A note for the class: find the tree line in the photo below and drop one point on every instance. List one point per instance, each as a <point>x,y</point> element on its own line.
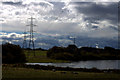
<point>73,53</point>
<point>15,54</point>
<point>12,54</point>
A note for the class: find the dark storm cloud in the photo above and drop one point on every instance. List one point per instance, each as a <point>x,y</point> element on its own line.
<point>12,3</point>
<point>95,27</point>
<point>114,28</point>
<point>98,11</point>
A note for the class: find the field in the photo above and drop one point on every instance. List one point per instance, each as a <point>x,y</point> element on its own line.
<point>24,73</point>
<point>40,57</point>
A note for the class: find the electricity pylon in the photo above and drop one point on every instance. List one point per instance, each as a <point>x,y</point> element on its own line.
<point>74,39</point>
<point>24,41</point>
<point>31,41</point>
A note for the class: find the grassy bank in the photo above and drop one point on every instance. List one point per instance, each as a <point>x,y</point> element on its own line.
<point>26,73</point>
<point>40,57</point>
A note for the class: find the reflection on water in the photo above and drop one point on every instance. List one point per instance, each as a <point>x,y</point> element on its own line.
<point>99,64</point>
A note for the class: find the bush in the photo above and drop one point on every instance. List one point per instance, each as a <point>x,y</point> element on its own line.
<point>12,54</point>
<point>62,56</point>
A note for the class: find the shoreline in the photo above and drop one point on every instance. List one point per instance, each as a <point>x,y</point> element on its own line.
<point>53,68</point>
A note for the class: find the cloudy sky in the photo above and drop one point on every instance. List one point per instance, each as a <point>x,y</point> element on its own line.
<point>91,22</point>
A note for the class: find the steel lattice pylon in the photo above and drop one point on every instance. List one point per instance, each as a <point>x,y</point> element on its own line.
<point>31,41</point>
<point>24,42</point>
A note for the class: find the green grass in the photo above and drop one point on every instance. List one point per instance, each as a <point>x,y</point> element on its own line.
<point>40,57</point>
<point>12,72</point>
